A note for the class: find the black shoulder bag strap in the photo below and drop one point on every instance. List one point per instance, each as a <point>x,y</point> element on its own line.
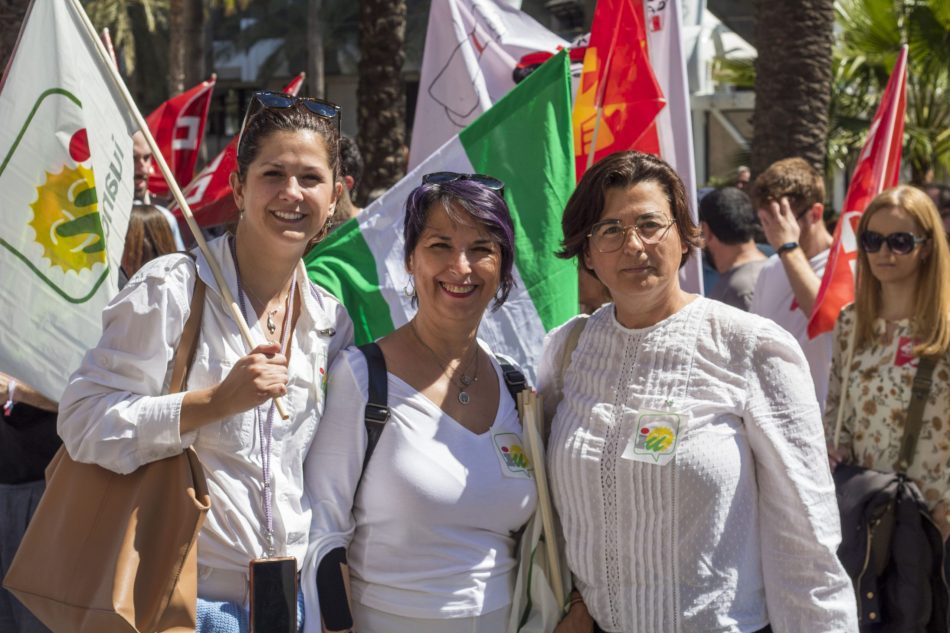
<point>919,394</point>
<point>376,412</point>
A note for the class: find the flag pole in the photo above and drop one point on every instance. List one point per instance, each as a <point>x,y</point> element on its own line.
<point>173,187</point>
<point>601,91</point>
<point>107,41</point>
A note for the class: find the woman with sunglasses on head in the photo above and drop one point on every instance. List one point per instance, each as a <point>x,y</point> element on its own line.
<point>899,316</point>
<point>685,453</point>
<point>420,538</point>
<point>116,412</point>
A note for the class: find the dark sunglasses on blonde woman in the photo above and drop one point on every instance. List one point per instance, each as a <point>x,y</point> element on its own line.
<point>269,100</point>
<point>901,243</point>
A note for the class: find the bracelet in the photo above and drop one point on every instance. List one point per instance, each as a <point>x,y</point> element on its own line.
<point>8,406</point>
<point>786,247</point>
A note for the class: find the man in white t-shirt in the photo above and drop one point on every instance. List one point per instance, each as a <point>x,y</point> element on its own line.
<point>789,197</point>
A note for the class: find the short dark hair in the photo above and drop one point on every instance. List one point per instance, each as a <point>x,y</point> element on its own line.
<point>623,170</point>
<point>791,177</point>
<point>730,216</point>
<point>351,162</point>
<point>270,120</point>
<point>482,204</point>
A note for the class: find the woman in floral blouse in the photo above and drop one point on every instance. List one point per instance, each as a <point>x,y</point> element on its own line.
<point>900,313</point>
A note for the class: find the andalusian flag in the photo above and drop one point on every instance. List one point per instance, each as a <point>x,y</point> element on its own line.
<point>525,140</point>
<point>66,178</point>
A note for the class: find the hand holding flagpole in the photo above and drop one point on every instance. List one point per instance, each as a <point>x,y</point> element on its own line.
<point>174,188</point>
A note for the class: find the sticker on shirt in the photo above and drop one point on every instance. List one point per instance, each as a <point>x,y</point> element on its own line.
<point>905,352</point>
<point>512,455</point>
<point>655,438</point>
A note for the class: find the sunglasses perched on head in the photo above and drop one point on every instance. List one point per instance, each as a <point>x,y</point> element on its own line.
<point>443,177</point>
<point>901,243</point>
<point>269,100</point>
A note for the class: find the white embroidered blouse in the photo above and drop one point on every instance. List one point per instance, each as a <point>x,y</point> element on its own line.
<point>714,513</point>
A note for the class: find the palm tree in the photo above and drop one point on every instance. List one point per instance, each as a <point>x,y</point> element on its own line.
<point>872,32</point>
<point>11,18</point>
<point>380,93</point>
<point>794,40</point>
<point>118,16</point>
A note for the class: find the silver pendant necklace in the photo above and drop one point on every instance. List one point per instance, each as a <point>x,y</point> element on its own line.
<point>464,380</point>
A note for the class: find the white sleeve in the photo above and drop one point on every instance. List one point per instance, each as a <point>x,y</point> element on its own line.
<point>806,588</point>
<point>113,412</point>
<point>333,466</point>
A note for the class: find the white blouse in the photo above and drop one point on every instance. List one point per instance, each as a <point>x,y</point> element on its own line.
<point>429,532</point>
<point>113,412</point>
<point>688,466</point>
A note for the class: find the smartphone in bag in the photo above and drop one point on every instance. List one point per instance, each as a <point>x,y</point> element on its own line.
<point>273,591</point>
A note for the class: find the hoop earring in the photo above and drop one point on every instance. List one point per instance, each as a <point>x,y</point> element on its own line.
<point>410,288</point>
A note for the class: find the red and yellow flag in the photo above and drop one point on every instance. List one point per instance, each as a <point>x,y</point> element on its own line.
<point>618,97</point>
<point>878,169</point>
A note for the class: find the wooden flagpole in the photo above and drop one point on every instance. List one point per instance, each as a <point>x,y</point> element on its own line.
<point>173,187</point>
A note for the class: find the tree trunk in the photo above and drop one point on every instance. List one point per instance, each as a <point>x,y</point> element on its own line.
<point>380,94</point>
<point>11,18</point>
<point>793,75</point>
<point>176,47</point>
<point>195,71</point>
<point>315,71</point>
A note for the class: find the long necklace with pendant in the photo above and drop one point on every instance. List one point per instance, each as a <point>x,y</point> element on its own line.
<point>464,380</point>
<point>271,325</point>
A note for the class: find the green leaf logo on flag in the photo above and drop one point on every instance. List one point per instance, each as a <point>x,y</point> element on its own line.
<point>68,235</point>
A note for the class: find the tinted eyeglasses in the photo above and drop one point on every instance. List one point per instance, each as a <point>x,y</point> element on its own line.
<point>443,177</point>
<point>269,100</point>
<point>901,243</point>
<point>610,235</point>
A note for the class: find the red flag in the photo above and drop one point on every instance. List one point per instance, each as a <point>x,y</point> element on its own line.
<point>178,126</point>
<point>617,78</point>
<point>209,194</point>
<point>878,169</point>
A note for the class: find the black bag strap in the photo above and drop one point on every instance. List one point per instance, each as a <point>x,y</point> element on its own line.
<point>919,393</point>
<point>376,413</point>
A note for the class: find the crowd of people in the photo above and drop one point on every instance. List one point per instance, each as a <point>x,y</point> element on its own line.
<point>692,443</point>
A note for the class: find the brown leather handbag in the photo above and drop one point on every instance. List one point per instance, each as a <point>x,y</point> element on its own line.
<point>116,553</point>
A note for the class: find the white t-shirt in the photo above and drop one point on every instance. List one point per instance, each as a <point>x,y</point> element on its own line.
<point>775,300</point>
<point>429,533</point>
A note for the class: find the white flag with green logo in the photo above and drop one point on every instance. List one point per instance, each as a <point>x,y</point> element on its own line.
<point>525,140</point>
<point>66,178</point>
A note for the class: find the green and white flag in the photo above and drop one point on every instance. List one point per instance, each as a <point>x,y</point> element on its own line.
<point>525,140</point>
<point>66,178</point>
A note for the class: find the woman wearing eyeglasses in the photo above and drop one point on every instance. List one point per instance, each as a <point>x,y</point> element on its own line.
<point>899,315</point>
<point>116,413</point>
<point>686,450</point>
<point>418,536</point>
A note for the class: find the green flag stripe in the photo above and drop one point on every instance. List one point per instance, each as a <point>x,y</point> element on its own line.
<point>526,137</point>
<point>344,265</point>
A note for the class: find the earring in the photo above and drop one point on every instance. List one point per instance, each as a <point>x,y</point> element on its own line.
<point>410,288</point>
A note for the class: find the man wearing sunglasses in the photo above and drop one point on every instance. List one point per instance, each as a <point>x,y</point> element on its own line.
<point>789,197</point>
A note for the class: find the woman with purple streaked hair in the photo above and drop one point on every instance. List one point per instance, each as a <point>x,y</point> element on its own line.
<point>420,537</point>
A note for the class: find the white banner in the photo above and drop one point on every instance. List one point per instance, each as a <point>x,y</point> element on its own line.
<point>472,48</point>
<point>66,177</point>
